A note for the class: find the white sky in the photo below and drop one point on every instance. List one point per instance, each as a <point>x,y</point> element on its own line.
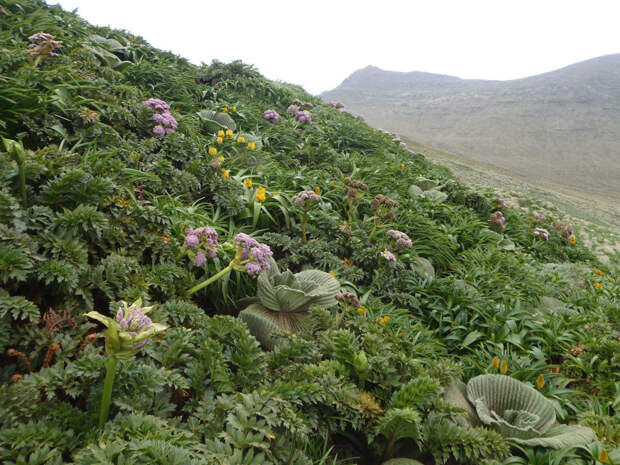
<point>318,43</point>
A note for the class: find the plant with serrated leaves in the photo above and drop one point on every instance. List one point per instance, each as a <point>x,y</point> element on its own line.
<point>14,264</point>
<point>284,299</point>
<point>522,414</point>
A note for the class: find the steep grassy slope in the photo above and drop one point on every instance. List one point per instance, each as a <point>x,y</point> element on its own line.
<point>127,173</point>
<point>559,127</point>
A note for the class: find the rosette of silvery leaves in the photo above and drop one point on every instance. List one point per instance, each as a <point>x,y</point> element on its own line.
<point>129,331</point>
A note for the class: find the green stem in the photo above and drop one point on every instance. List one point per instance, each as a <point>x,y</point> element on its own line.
<point>303,228</point>
<point>107,390</point>
<point>372,233</point>
<point>215,277</point>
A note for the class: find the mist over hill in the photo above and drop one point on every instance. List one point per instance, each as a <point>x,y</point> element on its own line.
<point>560,127</point>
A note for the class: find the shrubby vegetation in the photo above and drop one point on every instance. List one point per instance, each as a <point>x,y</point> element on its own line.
<point>129,175</point>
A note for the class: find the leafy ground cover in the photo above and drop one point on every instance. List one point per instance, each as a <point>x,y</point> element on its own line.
<point>133,181</point>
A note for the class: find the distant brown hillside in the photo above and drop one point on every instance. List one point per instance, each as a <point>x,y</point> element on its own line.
<point>561,127</point>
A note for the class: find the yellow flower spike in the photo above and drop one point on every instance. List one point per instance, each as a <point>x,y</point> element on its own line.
<point>212,151</point>
<point>383,320</point>
<point>402,165</point>
<point>229,133</point>
<point>495,362</point>
<point>572,240</point>
<point>261,194</point>
<point>333,274</point>
<point>604,456</point>
<point>540,381</point>
<point>221,133</point>
<point>317,190</point>
<point>234,109</point>
<point>220,140</point>
<point>504,367</point>
<point>598,272</point>
<point>241,140</point>
<point>221,159</point>
<point>598,285</point>
<point>248,183</point>
<point>613,280</point>
<point>252,146</point>
<point>225,110</point>
<point>401,334</point>
<point>361,311</point>
<point>225,174</point>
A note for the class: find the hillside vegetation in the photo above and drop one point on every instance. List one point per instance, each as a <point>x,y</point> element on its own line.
<point>199,265</point>
<point>560,127</point>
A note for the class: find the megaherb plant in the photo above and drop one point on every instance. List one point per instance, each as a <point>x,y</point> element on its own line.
<point>98,207</point>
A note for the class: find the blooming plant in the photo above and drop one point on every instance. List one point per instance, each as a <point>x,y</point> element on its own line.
<point>382,205</point>
<point>352,191</point>
<point>166,123</point>
<point>126,335</point>
<point>201,242</point>
<point>42,46</point>
<point>251,257</point>
<point>541,232</point>
<point>497,220</point>
<point>303,117</point>
<point>271,115</point>
<point>400,239</point>
<point>305,200</point>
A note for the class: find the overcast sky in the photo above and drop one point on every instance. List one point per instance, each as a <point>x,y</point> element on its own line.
<point>318,43</point>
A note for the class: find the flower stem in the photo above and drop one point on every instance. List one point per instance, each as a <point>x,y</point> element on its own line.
<point>374,230</point>
<point>213,278</point>
<point>110,370</point>
<point>22,181</point>
<point>303,228</point>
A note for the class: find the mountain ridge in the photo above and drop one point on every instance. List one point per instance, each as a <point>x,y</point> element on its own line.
<point>538,126</point>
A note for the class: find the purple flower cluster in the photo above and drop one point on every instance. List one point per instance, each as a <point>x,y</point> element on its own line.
<point>166,123</point>
<point>562,229</point>
<point>402,240</point>
<point>338,106</point>
<point>538,216</point>
<point>206,235</point>
<point>258,254</point>
<point>271,115</point>
<point>501,203</point>
<point>306,199</point>
<point>348,298</point>
<point>292,108</point>
<point>497,219</point>
<point>303,117</point>
<point>541,232</point>
<point>389,256</point>
<point>132,322</point>
<point>43,45</point>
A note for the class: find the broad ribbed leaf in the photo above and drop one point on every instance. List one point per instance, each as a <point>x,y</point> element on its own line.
<point>262,322</point>
<point>456,394</point>
<point>562,436</point>
<point>514,409</point>
<point>328,285</point>
<point>415,191</point>
<point>424,266</point>
<point>217,120</point>
<point>425,184</point>
<point>435,195</point>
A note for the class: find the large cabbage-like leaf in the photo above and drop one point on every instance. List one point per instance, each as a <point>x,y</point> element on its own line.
<point>288,292</point>
<point>514,409</point>
<point>262,322</point>
<point>561,436</point>
<point>217,120</point>
<point>455,394</point>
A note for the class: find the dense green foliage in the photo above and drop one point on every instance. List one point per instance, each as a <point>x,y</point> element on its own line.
<point>93,211</point>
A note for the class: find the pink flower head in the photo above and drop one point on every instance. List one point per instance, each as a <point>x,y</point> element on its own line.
<point>401,239</point>
<point>167,123</point>
<point>538,216</point>
<point>497,219</point>
<point>349,298</point>
<point>542,233</point>
<point>271,115</point>
<point>306,199</point>
<point>303,117</point>
<point>200,259</point>
<point>389,256</point>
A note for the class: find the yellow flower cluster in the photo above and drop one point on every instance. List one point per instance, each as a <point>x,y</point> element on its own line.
<point>540,381</point>
<point>598,285</point>
<point>241,139</point>
<point>383,320</point>
<point>212,151</point>
<point>317,190</point>
<point>261,194</point>
<point>248,183</point>
<point>361,310</point>
<point>252,146</point>
<point>225,109</point>
<point>503,367</point>
<point>613,280</point>
<point>220,140</point>
<point>572,240</point>
<point>229,133</point>
<point>598,272</point>
<point>225,174</point>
